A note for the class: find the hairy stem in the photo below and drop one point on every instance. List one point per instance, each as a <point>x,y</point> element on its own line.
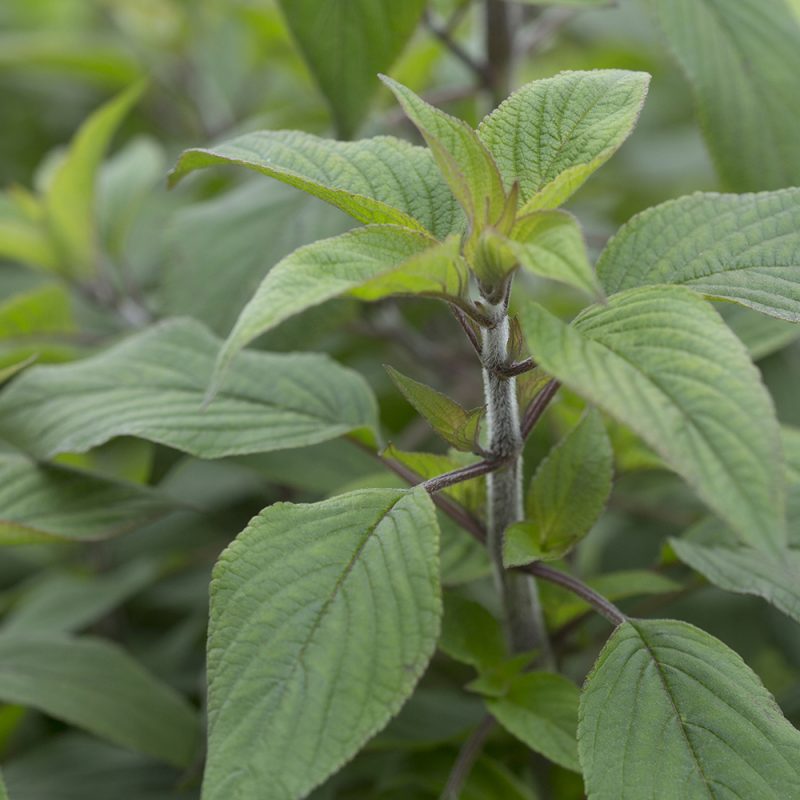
<point>525,629</point>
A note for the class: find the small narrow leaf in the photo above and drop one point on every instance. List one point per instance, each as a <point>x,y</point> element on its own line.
<point>662,362</point>
<point>69,198</point>
<point>368,263</point>
<point>24,237</point>
<point>669,711</point>
<point>453,423</point>
<point>744,248</point>
<point>552,134</point>
<point>345,43</point>
<point>550,244</point>
<point>541,710</point>
<point>152,386</point>
<point>362,178</point>
<point>463,160</point>
<point>96,686</point>
<point>40,503</point>
<point>323,618</point>
<point>567,495</point>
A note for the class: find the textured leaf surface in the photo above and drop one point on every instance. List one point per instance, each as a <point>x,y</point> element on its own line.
<point>70,196</point>
<point>367,263</point>
<point>323,618</point>
<point>346,43</point>
<point>566,496</point>
<point>550,244</point>
<point>552,134</point>
<point>380,181</point>
<point>744,248</point>
<point>762,336</point>
<point>40,503</point>
<point>742,60</point>
<point>454,424</point>
<point>96,686</point>
<point>669,711</point>
<point>463,159</point>
<point>661,361</point>
<point>541,710</point>
<point>152,386</point>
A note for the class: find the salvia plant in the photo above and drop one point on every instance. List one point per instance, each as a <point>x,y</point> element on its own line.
<point>324,616</point>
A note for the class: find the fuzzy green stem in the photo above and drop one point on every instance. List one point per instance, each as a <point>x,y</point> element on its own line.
<point>525,629</point>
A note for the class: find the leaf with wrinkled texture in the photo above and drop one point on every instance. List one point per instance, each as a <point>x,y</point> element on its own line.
<point>41,503</point>
<point>152,386</point>
<point>70,196</point>
<point>367,263</point>
<point>541,710</point>
<point>552,134</point>
<point>662,362</point>
<point>457,426</point>
<point>378,181</point>
<point>463,160</point>
<point>669,711</point>
<point>567,494</point>
<point>323,618</point>
<point>96,686</point>
<point>346,43</point>
<point>742,60</point>
<point>744,248</point>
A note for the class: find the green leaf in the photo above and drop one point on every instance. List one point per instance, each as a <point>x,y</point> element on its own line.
<point>96,686</point>
<point>463,160</point>
<point>74,766</point>
<point>541,710</point>
<point>742,60</point>
<point>552,134</point>
<point>367,263</point>
<point>713,551</point>
<point>40,503</point>
<point>744,248</point>
<point>323,618</point>
<point>345,43</point>
<point>70,196</point>
<point>566,496</point>
<point>457,426</point>
<point>550,244</point>
<point>378,181</point>
<point>762,336</point>
<point>152,386</point>
<point>669,711</point>
<point>746,570</point>
<point>61,602</point>
<point>23,236</point>
<point>661,361</point>
<point>470,634</point>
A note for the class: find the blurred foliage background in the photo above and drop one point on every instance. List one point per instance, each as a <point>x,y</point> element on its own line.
<point>217,67</point>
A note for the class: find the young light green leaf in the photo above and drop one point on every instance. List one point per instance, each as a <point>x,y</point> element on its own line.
<point>550,244</point>
<point>70,196</point>
<point>457,426</point>
<point>742,60</point>
<point>552,134</point>
<point>345,43</point>
<point>62,602</point>
<point>668,694</point>
<point>378,181</point>
<point>152,386</point>
<point>367,263</point>
<point>72,680</point>
<point>463,160</point>
<point>661,361</point>
<point>541,710</point>
<point>323,618</point>
<point>744,248</point>
<point>41,503</point>
<point>24,239</point>
<point>566,496</point>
